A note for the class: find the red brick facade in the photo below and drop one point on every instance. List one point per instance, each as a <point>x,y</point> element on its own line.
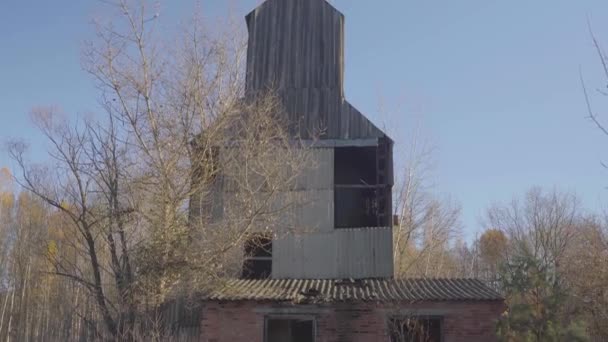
<point>349,322</point>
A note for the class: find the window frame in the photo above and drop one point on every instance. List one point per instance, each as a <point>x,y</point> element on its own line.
<point>381,153</point>
<point>440,318</point>
<point>379,198</point>
<point>288,317</point>
<point>254,258</point>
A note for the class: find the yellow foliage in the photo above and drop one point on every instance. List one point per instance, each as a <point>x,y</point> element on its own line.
<point>7,197</point>
<point>64,205</point>
<point>492,245</point>
<point>52,249</point>
<point>7,200</point>
<point>6,178</point>
<point>31,208</point>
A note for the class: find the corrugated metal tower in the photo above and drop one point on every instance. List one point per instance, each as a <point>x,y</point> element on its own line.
<point>296,48</point>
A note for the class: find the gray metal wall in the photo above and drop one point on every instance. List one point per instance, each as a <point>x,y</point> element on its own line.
<point>340,253</point>
<point>295,44</point>
<point>317,250</point>
<point>307,245</point>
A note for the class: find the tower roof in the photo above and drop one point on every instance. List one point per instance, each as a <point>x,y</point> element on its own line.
<point>296,48</point>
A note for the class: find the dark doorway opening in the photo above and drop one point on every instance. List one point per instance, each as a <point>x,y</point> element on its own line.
<point>289,330</point>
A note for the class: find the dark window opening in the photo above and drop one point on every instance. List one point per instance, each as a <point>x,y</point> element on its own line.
<point>355,166</point>
<point>179,315</point>
<point>258,258</point>
<point>415,329</point>
<point>289,330</point>
<point>360,207</point>
<point>362,189</point>
<point>259,246</point>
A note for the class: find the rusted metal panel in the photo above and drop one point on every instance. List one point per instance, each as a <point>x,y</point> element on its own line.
<point>346,253</point>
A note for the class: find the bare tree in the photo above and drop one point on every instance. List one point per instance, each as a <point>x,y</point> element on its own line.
<point>589,257</point>
<point>426,224</point>
<point>541,230</point>
<point>412,329</point>
<point>587,274</point>
<point>542,225</point>
<point>162,190</point>
<point>592,114</point>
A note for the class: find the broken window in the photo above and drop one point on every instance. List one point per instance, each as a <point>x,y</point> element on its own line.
<point>362,186</point>
<point>289,330</point>
<point>360,207</point>
<point>258,258</point>
<point>355,165</point>
<point>415,329</point>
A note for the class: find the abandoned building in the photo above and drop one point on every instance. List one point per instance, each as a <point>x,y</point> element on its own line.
<point>335,283</point>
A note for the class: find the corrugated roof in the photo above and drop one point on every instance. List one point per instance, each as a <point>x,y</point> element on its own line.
<point>367,290</point>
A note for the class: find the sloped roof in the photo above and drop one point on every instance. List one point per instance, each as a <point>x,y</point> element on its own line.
<point>367,290</point>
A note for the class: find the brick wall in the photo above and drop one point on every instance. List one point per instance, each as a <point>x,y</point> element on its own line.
<point>244,321</point>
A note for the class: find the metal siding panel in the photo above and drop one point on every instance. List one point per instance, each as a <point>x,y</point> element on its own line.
<point>316,212</point>
<point>319,175</point>
<point>346,253</point>
<point>293,259</point>
<point>318,265</point>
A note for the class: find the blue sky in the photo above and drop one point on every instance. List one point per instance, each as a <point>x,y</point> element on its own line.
<point>493,85</point>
